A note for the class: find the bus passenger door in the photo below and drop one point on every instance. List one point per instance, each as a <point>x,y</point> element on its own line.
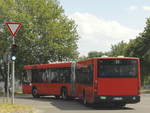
<point>26,85</point>
<point>89,84</point>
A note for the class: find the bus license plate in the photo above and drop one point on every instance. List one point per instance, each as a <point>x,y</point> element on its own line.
<point>117,98</point>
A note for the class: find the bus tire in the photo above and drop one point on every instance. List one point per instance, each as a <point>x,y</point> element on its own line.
<point>57,96</point>
<point>35,93</point>
<point>119,105</point>
<point>64,93</point>
<point>85,102</point>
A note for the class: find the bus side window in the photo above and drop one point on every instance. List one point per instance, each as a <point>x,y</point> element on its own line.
<point>85,72</point>
<point>62,75</point>
<point>55,76</point>
<point>90,74</point>
<point>45,75</point>
<point>68,75</point>
<point>24,78</point>
<point>27,76</point>
<point>79,77</point>
<point>37,76</point>
<point>49,75</point>
<point>82,75</point>
<point>66,72</point>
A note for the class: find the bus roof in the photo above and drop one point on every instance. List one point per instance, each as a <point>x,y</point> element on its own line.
<point>44,66</point>
<point>119,57</point>
<point>68,64</point>
<point>95,58</point>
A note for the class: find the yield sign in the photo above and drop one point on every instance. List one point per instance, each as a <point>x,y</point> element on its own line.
<point>13,27</point>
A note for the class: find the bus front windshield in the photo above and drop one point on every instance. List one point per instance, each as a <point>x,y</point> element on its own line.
<point>117,68</point>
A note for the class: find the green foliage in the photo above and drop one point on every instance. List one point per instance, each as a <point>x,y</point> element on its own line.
<point>98,54</point>
<point>140,47</point>
<point>93,54</point>
<point>82,58</point>
<point>118,49</point>
<point>46,35</point>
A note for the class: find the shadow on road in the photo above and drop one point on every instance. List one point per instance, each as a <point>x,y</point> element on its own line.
<point>69,104</point>
<point>78,105</point>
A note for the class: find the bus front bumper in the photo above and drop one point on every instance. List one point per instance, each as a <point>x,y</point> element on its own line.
<point>117,99</point>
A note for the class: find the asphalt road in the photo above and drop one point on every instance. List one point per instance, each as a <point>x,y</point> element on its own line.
<point>52,105</point>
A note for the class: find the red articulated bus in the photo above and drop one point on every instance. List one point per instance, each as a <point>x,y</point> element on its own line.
<point>106,80</point>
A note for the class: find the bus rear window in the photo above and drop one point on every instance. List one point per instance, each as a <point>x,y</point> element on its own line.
<point>117,68</point>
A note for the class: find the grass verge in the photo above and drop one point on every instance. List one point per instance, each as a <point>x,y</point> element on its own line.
<point>145,91</point>
<point>14,108</point>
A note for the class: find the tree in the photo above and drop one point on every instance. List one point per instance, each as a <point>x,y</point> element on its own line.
<point>140,47</point>
<point>82,58</point>
<point>46,35</point>
<point>118,49</point>
<point>94,54</point>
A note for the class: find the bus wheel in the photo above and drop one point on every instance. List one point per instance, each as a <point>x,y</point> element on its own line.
<point>84,98</point>
<point>64,94</point>
<point>120,105</point>
<point>35,93</point>
<point>85,101</point>
<point>57,97</point>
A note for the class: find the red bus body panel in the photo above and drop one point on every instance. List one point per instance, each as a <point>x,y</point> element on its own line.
<point>88,90</point>
<point>26,88</point>
<point>118,86</point>
<point>51,88</point>
<point>46,66</point>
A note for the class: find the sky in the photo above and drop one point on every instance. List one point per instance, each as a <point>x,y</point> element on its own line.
<point>102,23</point>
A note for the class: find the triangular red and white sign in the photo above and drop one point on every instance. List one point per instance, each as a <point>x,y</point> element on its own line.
<point>13,27</point>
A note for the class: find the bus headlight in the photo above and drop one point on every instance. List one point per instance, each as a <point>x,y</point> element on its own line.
<point>103,97</point>
<point>134,98</point>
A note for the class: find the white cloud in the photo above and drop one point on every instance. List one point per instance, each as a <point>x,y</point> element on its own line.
<point>133,8</point>
<point>98,34</point>
<point>146,8</point>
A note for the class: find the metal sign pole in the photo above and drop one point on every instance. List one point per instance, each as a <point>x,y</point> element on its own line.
<point>8,81</point>
<point>13,76</point>
<point>13,81</point>
<point>13,28</point>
